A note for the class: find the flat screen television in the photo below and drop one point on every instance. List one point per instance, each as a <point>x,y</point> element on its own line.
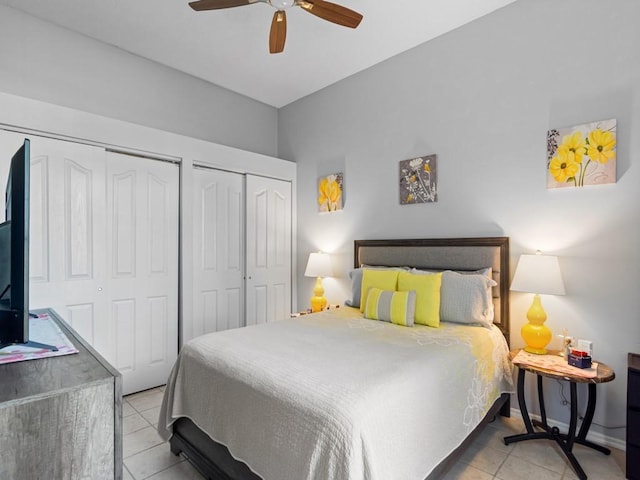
<point>14,255</point>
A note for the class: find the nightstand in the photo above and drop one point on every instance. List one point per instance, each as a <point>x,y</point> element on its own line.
<point>309,312</point>
<point>566,441</point>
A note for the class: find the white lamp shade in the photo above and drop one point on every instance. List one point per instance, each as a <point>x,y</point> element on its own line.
<point>538,274</point>
<point>319,265</point>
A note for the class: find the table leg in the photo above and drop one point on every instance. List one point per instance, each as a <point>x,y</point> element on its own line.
<point>531,434</point>
<point>573,420</point>
<point>586,423</point>
<point>542,423</point>
<point>566,441</point>
<point>522,403</point>
<point>543,411</point>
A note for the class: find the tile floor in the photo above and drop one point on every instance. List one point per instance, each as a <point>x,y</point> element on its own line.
<point>146,456</point>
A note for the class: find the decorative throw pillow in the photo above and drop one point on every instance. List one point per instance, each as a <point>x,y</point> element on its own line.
<point>427,288</point>
<point>356,283</point>
<point>390,306</point>
<point>356,288</point>
<point>383,279</point>
<point>466,299</point>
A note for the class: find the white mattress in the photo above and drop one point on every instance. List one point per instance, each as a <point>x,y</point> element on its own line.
<point>336,396</point>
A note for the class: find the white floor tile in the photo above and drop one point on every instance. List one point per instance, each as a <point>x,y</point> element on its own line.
<point>133,423</point>
<point>462,471</point>
<point>484,457</point>
<point>126,475</point>
<point>145,400</point>
<point>141,440</point>
<point>494,437</point>
<point>151,415</point>
<point>181,471</point>
<point>151,461</point>
<point>542,452</point>
<point>596,465</point>
<point>127,409</point>
<point>516,468</point>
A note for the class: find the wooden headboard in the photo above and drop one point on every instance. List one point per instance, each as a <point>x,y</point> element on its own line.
<point>446,254</point>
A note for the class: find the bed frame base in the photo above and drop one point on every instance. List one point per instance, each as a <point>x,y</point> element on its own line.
<point>214,461</point>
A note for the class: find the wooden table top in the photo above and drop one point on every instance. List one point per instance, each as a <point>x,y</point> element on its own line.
<point>604,373</point>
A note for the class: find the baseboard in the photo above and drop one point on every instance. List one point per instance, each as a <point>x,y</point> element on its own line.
<point>592,436</point>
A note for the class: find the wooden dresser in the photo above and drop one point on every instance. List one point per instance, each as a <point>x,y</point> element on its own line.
<point>633,416</point>
<point>61,417</point>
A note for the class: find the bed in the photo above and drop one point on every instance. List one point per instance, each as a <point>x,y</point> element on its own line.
<point>335,395</point>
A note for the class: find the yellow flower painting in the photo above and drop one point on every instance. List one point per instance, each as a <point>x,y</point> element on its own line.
<point>582,155</point>
<point>330,193</point>
<point>418,180</point>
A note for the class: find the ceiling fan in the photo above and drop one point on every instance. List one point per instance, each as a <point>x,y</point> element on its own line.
<point>326,10</point>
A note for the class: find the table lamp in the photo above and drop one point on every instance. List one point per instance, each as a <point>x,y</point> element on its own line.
<point>319,265</point>
<point>538,274</point>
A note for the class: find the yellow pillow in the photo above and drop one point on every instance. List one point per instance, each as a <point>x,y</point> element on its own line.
<point>382,279</point>
<point>427,288</point>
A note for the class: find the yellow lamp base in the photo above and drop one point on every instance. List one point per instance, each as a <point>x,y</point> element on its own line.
<point>537,351</point>
<point>535,333</point>
<point>318,302</point>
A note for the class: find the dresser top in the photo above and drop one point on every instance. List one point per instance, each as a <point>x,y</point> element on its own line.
<point>25,380</point>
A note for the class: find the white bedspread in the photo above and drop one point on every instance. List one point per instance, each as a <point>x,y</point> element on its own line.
<point>335,396</point>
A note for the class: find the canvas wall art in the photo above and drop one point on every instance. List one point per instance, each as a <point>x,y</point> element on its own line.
<point>330,193</point>
<point>418,181</point>
<point>582,155</point>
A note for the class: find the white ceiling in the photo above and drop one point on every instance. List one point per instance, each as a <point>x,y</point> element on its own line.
<point>230,47</point>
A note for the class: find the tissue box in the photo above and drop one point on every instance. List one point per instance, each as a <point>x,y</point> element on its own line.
<point>579,359</point>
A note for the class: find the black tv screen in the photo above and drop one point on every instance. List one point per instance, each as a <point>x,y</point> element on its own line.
<point>14,252</point>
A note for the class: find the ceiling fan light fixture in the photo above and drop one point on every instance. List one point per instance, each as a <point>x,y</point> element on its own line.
<point>282,4</point>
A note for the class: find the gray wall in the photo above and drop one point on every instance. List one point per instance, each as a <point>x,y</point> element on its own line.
<point>482,98</point>
<point>44,62</point>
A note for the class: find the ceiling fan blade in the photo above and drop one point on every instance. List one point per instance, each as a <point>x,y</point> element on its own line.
<point>278,33</point>
<point>201,5</point>
<point>332,12</point>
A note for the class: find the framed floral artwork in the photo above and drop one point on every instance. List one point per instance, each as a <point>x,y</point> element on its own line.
<point>418,181</point>
<point>330,193</point>
<point>582,155</point>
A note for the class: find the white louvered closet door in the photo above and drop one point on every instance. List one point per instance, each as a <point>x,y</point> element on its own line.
<point>218,250</point>
<point>142,262</point>
<point>268,239</point>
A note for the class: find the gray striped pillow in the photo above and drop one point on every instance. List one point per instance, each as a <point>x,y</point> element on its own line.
<point>390,306</point>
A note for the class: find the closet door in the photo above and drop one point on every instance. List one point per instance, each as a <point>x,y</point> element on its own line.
<point>142,259</point>
<point>218,250</point>
<point>268,220</point>
<point>67,233</point>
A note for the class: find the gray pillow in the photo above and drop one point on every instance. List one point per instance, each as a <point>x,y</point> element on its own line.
<point>356,288</point>
<point>465,297</point>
